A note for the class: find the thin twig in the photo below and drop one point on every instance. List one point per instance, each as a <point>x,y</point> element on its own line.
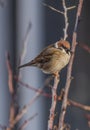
<point>56,10</point>
<point>32,88</point>
<point>52,8</point>
<point>54,102</point>
<point>68,80</point>
<point>85,47</point>
<point>78,105</point>
<point>72,7</point>
<point>24,50</point>
<point>25,43</point>
<point>26,122</point>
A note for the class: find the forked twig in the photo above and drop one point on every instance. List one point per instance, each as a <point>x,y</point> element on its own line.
<point>66,9</point>
<point>26,122</point>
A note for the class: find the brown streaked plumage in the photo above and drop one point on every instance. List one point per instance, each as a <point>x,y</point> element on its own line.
<point>53,58</point>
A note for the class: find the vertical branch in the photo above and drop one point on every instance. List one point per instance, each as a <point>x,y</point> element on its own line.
<point>66,20</point>
<point>24,50</point>
<point>25,42</point>
<point>54,102</point>
<point>12,92</point>
<point>68,80</point>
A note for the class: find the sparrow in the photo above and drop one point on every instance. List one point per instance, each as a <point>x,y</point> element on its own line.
<point>53,58</point>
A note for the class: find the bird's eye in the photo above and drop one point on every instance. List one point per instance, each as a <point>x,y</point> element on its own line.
<point>68,51</point>
<point>63,50</point>
<point>60,48</point>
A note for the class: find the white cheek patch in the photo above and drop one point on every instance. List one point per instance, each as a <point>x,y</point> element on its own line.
<point>63,50</point>
<point>69,53</point>
<point>56,44</point>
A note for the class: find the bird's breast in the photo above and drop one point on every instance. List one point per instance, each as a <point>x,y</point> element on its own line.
<point>56,63</point>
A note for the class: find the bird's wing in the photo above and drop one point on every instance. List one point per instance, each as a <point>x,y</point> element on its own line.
<point>45,55</point>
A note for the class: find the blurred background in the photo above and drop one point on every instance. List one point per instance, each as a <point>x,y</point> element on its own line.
<point>26,27</point>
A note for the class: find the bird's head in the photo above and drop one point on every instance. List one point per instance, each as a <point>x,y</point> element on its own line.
<point>63,45</point>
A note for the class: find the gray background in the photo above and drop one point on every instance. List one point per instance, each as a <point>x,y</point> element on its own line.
<point>46,28</point>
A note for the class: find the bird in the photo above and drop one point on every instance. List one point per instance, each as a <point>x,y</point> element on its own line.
<point>53,58</point>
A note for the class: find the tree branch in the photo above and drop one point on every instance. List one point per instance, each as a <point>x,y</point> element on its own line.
<point>12,91</point>
<point>68,80</point>
<point>26,122</point>
<point>32,88</point>
<point>66,20</point>
<point>52,8</point>
<point>78,105</point>
<point>54,102</point>
<point>66,9</point>
<point>85,47</point>
<point>59,98</point>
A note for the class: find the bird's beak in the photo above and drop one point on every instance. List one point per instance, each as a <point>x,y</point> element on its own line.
<point>71,51</point>
<point>68,50</point>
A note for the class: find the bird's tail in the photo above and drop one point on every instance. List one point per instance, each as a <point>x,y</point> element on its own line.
<point>25,65</point>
